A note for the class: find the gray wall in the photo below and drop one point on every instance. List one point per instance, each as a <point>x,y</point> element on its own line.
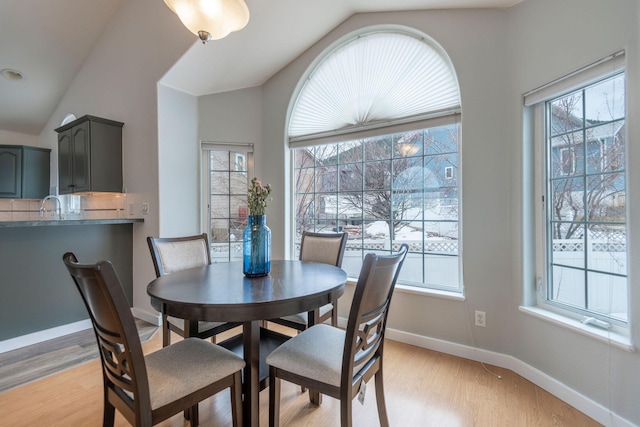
<point>179,161</point>
<point>36,291</point>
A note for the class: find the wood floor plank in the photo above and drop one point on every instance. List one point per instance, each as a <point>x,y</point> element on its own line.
<point>422,388</point>
<point>37,361</point>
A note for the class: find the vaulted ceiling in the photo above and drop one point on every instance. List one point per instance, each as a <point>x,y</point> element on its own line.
<point>48,41</point>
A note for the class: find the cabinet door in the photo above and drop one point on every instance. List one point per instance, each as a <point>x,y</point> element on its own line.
<point>35,176</point>
<point>65,168</point>
<point>81,155</point>
<point>10,172</point>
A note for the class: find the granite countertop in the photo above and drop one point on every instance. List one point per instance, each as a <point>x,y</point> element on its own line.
<point>58,222</point>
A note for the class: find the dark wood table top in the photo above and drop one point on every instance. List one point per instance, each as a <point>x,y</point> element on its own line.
<point>221,292</point>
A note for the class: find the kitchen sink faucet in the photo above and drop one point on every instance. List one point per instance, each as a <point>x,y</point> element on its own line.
<point>43,210</point>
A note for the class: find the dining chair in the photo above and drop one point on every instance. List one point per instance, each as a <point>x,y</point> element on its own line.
<point>327,248</point>
<point>336,362</point>
<point>171,254</point>
<point>149,389</point>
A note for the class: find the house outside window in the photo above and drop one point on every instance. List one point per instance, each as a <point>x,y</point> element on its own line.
<point>585,210</point>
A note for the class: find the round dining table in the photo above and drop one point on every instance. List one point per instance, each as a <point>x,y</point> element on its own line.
<point>220,292</point>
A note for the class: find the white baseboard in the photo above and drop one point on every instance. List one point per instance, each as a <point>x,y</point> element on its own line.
<point>40,336</point>
<point>60,331</point>
<point>153,318</point>
<point>582,403</point>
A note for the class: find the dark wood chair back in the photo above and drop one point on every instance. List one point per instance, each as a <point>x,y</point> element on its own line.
<point>123,365</point>
<point>368,318</point>
<point>204,368</point>
<point>171,254</point>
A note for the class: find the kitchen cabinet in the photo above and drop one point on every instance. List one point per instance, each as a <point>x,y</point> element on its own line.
<point>24,172</point>
<point>90,156</point>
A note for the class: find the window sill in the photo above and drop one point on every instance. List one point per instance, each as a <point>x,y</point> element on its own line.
<point>615,339</point>
<point>433,293</point>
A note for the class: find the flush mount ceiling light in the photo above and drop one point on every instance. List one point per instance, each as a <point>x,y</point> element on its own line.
<point>10,74</point>
<point>211,19</point>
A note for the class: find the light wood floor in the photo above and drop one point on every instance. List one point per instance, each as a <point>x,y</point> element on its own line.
<point>422,388</point>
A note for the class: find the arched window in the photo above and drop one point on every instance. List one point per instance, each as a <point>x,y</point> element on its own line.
<point>374,130</point>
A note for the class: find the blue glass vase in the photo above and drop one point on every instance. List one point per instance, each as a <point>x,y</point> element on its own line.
<point>256,247</point>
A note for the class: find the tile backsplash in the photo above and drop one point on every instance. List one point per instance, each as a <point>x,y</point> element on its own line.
<point>94,206</point>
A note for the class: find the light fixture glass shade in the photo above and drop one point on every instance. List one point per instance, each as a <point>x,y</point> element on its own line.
<point>211,19</point>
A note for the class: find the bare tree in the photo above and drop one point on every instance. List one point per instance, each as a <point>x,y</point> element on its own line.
<point>586,168</point>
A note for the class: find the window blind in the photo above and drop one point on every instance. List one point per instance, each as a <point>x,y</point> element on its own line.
<point>375,80</point>
<point>579,78</point>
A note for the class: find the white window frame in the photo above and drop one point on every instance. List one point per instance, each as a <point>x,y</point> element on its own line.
<point>412,279</point>
<point>618,334</point>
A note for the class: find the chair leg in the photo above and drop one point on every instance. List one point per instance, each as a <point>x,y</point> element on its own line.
<point>108,417</point>
<point>345,412</point>
<point>315,397</point>
<point>274,398</point>
<point>382,408</point>
<point>236,399</point>
<point>193,416</point>
<point>334,314</point>
<point>166,332</point>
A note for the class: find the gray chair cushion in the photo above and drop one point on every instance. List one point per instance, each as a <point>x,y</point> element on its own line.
<point>186,366</point>
<point>202,326</point>
<point>314,353</point>
<point>302,318</point>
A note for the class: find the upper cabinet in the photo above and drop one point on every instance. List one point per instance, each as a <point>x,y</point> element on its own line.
<point>90,155</point>
<point>24,172</point>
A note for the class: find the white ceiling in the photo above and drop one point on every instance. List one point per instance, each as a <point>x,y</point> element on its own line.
<point>38,38</point>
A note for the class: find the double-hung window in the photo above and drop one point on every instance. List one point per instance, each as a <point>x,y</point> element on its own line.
<point>584,194</point>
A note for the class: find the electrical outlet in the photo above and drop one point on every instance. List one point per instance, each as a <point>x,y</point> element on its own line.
<point>145,208</point>
<point>481,318</point>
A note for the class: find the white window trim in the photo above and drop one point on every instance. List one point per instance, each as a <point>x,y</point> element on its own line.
<point>205,190</point>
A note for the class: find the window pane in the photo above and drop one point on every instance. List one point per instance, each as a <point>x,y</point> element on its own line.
<point>443,139</point>
<point>378,148</point>
<point>567,199</point>
<point>377,175</point>
<point>607,249</point>
<point>566,114</point>
<point>605,150</point>
<point>608,295</point>
<point>568,286</point>
<point>408,144</point>
<point>568,244</point>
<point>567,155</point>
<point>219,160</point>
<point>605,100</point>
